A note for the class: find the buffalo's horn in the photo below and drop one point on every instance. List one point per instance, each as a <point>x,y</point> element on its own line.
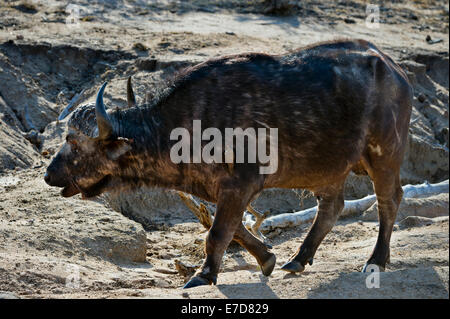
<point>130,94</point>
<point>71,106</point>
<point>105,128</point>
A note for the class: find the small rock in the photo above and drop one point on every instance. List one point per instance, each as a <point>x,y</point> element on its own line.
<point>199,241</point>
<point>443,136</point>
<point>412,16</point>
<point>87,18</point>
<point>185,270</point>
<point>161,283</point>
<point>421,98</point>
<point>349,21</point>
<point>57,291</point>
<point>431,41</point>
<point>140,47</point>
<point>166,256</point>
<point>26,7</point>
<point>136,294</point>
<point>177,51</point>
<point>164,44</point>
<point>166,271</point>
<point>416,221</point>
<point>46,153</point>
<point>34,138</point>
<point>145,64</point>
<point>8,295</point>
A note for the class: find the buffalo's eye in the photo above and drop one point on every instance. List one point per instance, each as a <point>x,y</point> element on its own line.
<point>73,143</point>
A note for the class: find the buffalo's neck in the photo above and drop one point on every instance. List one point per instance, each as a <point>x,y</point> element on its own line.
<point>148,163</point>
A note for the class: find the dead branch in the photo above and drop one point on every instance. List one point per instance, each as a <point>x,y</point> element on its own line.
<point>257,222</point>
<point>205,216</point>
<point>259,218</point>
<point>199,210</point>
<point>72,105</point>
<point>352,207</point>
<point>28,122</point>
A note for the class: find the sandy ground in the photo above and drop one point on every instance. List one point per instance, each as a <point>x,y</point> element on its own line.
<point>40,250</point>
<point>46,241</point>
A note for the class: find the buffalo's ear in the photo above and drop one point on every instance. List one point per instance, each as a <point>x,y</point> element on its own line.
<point>118,147</point>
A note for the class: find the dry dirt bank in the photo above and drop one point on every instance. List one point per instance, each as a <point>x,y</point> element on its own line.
<point>44,236</point>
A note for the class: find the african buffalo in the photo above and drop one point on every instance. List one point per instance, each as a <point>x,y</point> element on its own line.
<point>338,107</point>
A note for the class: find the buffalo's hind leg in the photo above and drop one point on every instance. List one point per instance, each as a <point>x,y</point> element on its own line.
<point>389,195</point>
<point>331,203</point>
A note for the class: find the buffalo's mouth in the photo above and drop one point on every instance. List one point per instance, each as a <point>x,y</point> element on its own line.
<point>86,192</point>
<point>70,190</point>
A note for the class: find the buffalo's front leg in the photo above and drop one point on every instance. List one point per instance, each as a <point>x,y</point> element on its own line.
<point>231,204</point>
<point>256,248</point>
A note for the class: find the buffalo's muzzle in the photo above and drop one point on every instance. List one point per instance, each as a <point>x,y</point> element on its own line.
<point>50,179</point>
<point>47,178</point>
<point>54,177</point>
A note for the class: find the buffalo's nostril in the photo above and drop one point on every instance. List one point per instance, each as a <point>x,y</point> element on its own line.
<point>47,177</point>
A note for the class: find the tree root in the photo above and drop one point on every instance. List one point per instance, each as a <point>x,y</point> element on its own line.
<point>204,215</point>
<point>262,223</point>
<point>352,207</point>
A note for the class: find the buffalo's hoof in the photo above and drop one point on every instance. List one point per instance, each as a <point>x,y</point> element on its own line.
<point>199,281</point>
<point>372,268</point>
<point>269,265</point>
<point>293,266</point>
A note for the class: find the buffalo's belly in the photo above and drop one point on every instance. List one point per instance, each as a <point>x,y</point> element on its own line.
<point>308,176</point>
<point>310,165</point>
